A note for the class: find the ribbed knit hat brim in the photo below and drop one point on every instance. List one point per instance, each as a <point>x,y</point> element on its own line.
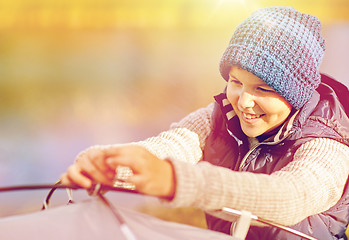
<point>281,46</point>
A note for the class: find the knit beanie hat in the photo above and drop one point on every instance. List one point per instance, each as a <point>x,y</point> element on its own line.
<point>281,46</point>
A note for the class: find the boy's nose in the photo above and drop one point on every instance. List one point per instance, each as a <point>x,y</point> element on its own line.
<point>246,100</point>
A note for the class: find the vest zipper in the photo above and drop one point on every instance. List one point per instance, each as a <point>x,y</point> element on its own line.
<point>232,225</point>
<point>248,154</point>
<point>254,147</point>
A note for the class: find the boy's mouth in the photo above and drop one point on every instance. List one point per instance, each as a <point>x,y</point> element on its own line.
<point>251,116</point>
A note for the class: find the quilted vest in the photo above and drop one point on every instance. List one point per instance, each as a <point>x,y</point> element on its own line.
<point>324,115</point>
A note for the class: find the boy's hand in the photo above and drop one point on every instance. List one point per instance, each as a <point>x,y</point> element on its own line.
<point>151,175</point>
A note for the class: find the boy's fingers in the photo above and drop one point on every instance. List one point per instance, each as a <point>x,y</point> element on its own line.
<point>74,175</point>
<point>95,168</point>
<point>97,157</point>
<point>94,173</point>
<point>64,179</point>
<point>114,162</point>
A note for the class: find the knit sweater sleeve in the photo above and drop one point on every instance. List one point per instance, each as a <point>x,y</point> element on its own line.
<point>185,139</point>
<point>310,184</point>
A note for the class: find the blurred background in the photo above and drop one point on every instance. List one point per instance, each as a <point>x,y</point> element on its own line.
<point>74,73</point>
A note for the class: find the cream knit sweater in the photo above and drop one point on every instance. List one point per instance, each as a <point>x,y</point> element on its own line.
<point>310,184</point>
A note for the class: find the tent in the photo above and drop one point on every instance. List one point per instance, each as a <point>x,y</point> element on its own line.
<point>98,218</point>
<point>93,219</point>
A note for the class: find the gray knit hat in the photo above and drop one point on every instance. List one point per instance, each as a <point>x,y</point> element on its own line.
<point>281,46</point>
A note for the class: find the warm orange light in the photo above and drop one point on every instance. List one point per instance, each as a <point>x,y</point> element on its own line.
<point>156,13</point>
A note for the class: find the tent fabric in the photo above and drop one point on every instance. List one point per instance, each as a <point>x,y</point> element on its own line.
<point>92,219</point>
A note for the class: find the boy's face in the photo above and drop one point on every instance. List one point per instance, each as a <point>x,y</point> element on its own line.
<point>259,108</point>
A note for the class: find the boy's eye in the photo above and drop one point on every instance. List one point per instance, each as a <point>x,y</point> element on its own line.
<point>232,80</point>
<point>265,89</point>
